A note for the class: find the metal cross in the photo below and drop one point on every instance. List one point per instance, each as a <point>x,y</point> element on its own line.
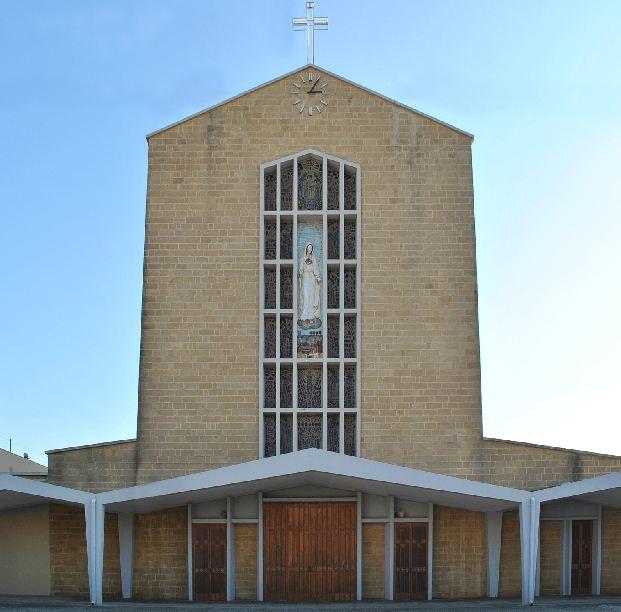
<point>310,23</point>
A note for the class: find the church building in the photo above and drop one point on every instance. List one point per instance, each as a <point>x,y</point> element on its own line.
<point>309,421</point>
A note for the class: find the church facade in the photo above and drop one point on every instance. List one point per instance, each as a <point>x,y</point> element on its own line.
<point>309,421</point>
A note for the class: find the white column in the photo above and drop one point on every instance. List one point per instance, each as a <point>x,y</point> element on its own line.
<point>90,517</point>
<point>359,547</point>
<point>97,522</point>
<point>126,550</point>
<point>493,523</point>
<point>190,556</point>
<point>597,549</point>
<point>390,550</point>
<point>430,551</point>
<point>230,552</point>
<point>260,550</point>
<point>529,544</point>
<point>566,557</point>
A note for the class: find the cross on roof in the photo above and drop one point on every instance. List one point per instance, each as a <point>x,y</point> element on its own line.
<point>310,23</point>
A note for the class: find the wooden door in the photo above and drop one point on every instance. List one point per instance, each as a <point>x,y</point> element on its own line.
<point>410,561</point>
<point>581,557</point>
<point>309,551</point>
<point>209,561</point>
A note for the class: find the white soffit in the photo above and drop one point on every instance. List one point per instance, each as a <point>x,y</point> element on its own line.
<point>314,467</point>
<point>604,490</point>
<point>17,492</point>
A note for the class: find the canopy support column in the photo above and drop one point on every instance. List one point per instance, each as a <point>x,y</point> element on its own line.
<point>493,523</point>
<point>90,518</point>
<point>126,550</point>
<point>529,545</point>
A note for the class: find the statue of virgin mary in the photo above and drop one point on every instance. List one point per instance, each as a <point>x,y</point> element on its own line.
<point>309,290</point>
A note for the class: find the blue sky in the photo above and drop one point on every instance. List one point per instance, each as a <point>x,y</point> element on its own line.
<point>537,82</point>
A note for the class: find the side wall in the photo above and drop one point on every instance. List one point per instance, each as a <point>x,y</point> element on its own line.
<point>611,551</point>
<point>25,552</point>
<point>245,562</point>
<point>96,468</point>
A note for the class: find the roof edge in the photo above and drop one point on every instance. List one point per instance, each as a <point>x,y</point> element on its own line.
<point>97,444</point>
<point>553,448</point>
<point>325,70</point>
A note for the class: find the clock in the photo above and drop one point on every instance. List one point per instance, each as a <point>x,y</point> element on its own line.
<point>309,93</point>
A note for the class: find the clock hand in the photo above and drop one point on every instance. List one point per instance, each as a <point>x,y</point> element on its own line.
<point>312,89</point>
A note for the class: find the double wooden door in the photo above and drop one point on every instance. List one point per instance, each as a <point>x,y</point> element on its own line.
<point>309,551</point>
<point>581,557</point>
<point>209,561</point>
<point>410,561</point>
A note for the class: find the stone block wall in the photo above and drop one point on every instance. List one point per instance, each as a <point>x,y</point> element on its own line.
<point>161,555</point>
<point>611,551</point>
<point>550,534</point>
<point>68,560</point>
<point>245,537</point>
<point>459,553</point>
<point>510,579</point>
<point>373,560</point>
<point>94,468</point>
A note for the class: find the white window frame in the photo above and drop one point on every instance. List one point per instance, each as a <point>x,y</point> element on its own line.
<point>294,215</point>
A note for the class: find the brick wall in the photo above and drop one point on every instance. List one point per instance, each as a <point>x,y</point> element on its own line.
<point>96,468</point>
<point>68,560</point>
<point>611,552</point>
<point>459,553</point>
<point>245,562</point>
<point>510,580</point>
<point>373,561</point>
<point>550,534</point>
<point>161,555</point>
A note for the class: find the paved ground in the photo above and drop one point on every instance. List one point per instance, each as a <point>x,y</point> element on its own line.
<point>547,603</point>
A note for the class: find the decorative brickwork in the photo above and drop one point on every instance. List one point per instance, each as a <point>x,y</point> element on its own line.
<point>69,577</point>
<point>550,533</point>
<point>510,582</point>
<point>161,555</point>
<point>245,562</point>
<point>459,553</point>
<point>373,561</point>
<point>611,551</point>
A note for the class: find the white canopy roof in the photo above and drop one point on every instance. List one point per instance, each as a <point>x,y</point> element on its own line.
<point>313,467</point>
<point>605,490</point>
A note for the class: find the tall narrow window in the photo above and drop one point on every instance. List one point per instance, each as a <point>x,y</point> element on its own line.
<point>309,393</point>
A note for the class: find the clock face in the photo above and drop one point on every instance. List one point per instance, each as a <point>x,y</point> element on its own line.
<point>309,92</point>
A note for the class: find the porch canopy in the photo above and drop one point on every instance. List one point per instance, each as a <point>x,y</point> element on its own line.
<point>17,493</point>
<point>313,467</point>
<point>599,491</point>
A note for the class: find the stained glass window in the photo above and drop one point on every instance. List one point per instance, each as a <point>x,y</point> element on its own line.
<point>309,387</point>
<point>286,287</point>
<point>333,187</point>
<point>333,287</point>
<point>270,238</point>
<point>333,336</point>
<point>269,280</point>
<point>333,432</point>
<point>286,433</point>
<point>286,337</point>
<point>286,386</point>
<point>286,239</point>
<point>349,432</point>
<point>349,242</point>
<point>269,386</point>
<point>309,431</point>
<point>270,337</point>
<point>349,396</point>
<point>309,184</point>
<point>333,238</point>
<point>286,186</point>
<point>350,288</point>
<point>349,336</point>
<point>350,190</point>
<point>333,386</point>
<point>269,192</point>
<point>269,435</point>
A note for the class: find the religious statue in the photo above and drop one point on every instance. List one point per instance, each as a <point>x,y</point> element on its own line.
<point>309,291</point>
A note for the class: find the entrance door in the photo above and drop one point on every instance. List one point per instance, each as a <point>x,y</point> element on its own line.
<point>410,561</point>
<point>209,561</point>
<point>309,551</point>
<point>581,557</point>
